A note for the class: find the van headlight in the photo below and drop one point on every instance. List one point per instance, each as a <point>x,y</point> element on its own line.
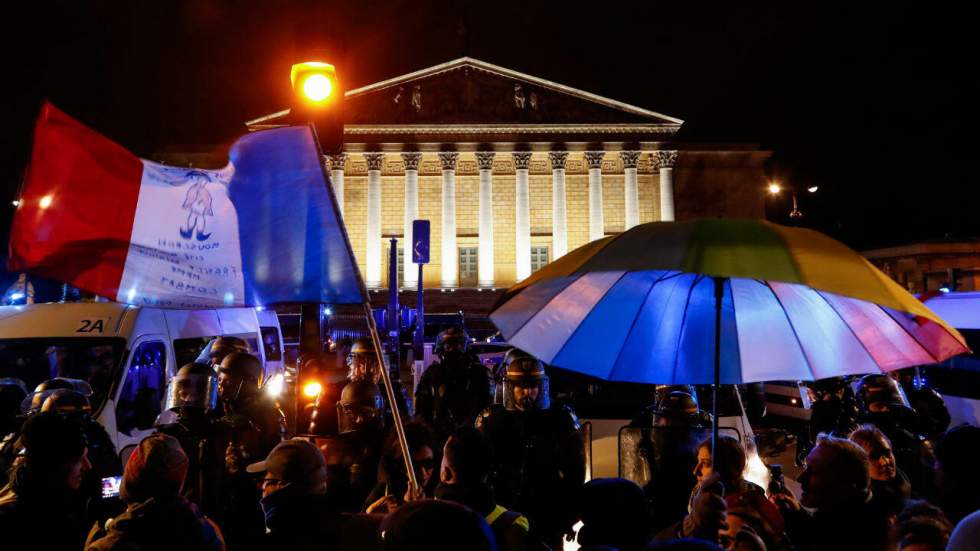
<point>275,385</point>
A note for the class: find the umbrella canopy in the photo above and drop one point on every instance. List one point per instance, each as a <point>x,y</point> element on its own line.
<point>796,304</point>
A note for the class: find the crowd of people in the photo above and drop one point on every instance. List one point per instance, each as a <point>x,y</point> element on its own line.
<point>221,472</point>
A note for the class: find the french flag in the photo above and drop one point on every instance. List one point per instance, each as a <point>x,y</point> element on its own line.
<point>265,229</point>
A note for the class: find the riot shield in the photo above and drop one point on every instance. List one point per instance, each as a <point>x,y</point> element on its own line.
<point>647,454</point>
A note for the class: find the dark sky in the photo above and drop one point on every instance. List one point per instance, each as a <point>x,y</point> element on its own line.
<point>875,104</point>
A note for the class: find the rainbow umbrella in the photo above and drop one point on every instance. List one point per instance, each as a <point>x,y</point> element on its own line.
<point>722,302</point>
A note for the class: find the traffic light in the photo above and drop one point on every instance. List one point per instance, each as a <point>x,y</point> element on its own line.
<point>317,100</point>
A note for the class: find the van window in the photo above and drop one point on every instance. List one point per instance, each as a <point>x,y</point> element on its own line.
<point>187,350</point>
<point>270,342</point>
<point>34,360</point>
<point>141,399</point>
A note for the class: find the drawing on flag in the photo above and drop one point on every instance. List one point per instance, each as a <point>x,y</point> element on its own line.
<point>262,230</point>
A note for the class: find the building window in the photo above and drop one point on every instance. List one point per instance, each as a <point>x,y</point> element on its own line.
<point>539,257</point>
<point>467,266</point>
<point>400,259</point>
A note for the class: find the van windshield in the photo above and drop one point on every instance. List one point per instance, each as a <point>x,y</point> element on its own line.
<point>38,359</point>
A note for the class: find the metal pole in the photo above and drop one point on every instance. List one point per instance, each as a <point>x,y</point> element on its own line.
<point>373,329</point>
<point>393,319</point>
<point>419,338</point>
<point>719,296</point>
<point>386,378</point>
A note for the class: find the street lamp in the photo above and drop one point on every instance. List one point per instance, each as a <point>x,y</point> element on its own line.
<point>775,188</point>
<point>317,100</point>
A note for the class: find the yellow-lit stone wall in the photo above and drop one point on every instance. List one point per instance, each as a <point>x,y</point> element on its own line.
<point>504,204</point>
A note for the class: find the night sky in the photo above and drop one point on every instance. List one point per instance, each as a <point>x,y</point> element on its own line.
<point>876,105</point>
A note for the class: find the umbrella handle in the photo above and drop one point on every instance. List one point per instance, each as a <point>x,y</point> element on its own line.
<point>719,297</point>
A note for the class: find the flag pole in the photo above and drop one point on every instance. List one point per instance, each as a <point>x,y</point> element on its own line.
<point>372,326</point>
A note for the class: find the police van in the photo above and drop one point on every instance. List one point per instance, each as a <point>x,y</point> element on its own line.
<point>958,378</point>
<point>127,354</point>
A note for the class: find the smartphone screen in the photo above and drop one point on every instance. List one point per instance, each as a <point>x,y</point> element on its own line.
<point>110,486</point>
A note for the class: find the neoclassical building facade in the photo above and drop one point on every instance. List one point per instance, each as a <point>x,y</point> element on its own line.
<point>514,171</point>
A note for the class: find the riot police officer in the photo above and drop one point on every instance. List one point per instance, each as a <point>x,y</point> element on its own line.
<point>665,439</point>
<point>454,389</point>
<point>882,403</point>
<point>362,362</point>
<point>219,348</point>
<point>192,397</point>
<point>254,425</point>
<point>933,415</point>
<point>538,453</point>
<point>353,454</point>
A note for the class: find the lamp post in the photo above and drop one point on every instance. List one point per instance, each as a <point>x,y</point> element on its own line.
<point>775,188</point>
<point>317,100</point>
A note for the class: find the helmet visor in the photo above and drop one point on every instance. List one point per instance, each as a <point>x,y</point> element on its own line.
<point>193,390</point>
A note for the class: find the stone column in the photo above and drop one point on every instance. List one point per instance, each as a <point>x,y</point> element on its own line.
<point>450,268</point>
<point>665,162</point>
<point>597,228</point>
<point>631,192</point>
<point>559,217</point>
<point>337,178</point>
<point>372,276</point>
<point>411,160</point>
<point>485,265</point>
<point>522,162</point>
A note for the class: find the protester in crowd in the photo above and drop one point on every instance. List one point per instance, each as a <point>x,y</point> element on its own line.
<point>889,485</point>
<point>921,526</point>
<point>728,461</point>
<point>957,473</point>
<point>614,513</point>
<point>837,485</point>
<point>389,492</point>
<point>298,514</point>
<point>40,501</point>
<point>157,516</point>
<point>753,523</point>
<point>708,513</point>
<point>434,525</point>
<point>466,460</point>
<point>682,544</point>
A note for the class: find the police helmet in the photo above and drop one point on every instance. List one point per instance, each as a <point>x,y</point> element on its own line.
<point>242,366</point>
<point>222,346</point>
<point>67,402</point>
<point>194,386</point>
<point>362,361</point>
<point>360,407</point>
<point>878,394</point>
<point>525,371</point>
<point>33,402</point>
<point>449,339</point>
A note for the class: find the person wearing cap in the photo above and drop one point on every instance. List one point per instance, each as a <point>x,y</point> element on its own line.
<point>41,499</point>
<point>156,516</point>
<point>614,513</point>
<point>298,513</point>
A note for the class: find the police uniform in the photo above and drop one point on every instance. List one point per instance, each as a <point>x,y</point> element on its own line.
<point>455,389</point>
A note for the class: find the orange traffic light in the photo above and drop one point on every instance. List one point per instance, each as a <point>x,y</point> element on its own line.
<point>314,81</point>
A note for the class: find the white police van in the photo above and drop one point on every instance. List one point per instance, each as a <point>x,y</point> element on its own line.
<point>127,354</point>
<point>958,378</point>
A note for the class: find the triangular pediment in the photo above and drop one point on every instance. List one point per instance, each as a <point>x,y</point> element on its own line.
<point>472,92</point>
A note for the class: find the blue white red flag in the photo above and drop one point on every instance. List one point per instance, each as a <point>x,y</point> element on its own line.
<point>264,229</point>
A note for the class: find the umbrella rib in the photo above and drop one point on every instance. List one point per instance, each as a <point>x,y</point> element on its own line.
<point>792,327</point>
<point>680,333</point>
<point>579,326</point>
<point>911,335</point>
<point>851,329</point>
<point>532,316</point>
<point>639,312</point>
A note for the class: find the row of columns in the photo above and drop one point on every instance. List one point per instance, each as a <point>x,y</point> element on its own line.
<point>663,161</point>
